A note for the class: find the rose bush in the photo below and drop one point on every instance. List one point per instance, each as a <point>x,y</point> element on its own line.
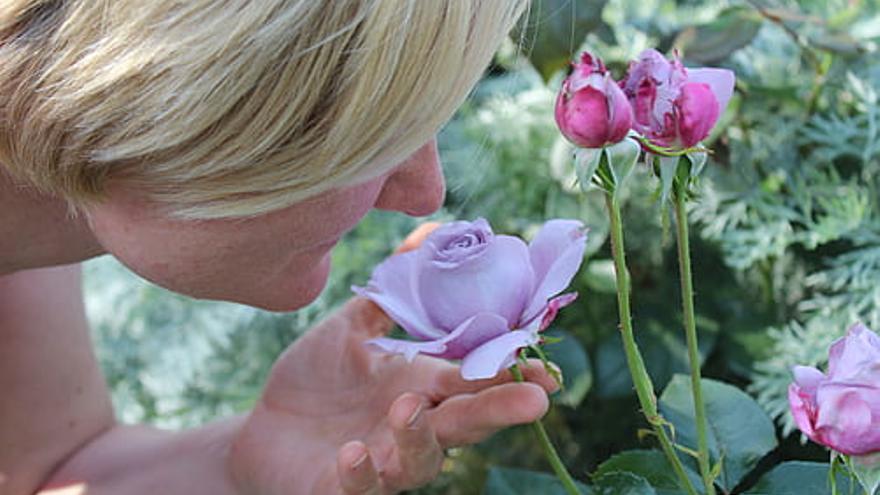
<point>591,109</point>
<point>841,410</point>
<point>674,106</point>
<point>469,294</point>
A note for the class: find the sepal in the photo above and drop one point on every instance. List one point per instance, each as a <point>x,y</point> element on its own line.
<point>866,469</point>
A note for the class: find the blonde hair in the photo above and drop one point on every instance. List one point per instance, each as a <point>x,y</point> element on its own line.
<point>235,108</point>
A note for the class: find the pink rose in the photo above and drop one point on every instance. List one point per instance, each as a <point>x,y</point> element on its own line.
<point>591,109</point>
<point>469,294</point>
<point>841,410</point>
<point>674,106</point>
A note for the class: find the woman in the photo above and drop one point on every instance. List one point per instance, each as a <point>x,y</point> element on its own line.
<point>220,149</point>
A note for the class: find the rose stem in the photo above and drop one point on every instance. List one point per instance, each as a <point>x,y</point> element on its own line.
<point>690,328</point>
<point>549,451</point>
<point>641,380</point>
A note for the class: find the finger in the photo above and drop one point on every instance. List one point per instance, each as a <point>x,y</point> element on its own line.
<point>357,475</point>
<point>366,317</point>
<point>449,381</point>
<point>418,451</point>
<point>471,418</point>
<point>417,236</point>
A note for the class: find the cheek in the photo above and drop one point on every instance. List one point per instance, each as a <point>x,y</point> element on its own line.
<point>279,261</point>
<point>168,259</point>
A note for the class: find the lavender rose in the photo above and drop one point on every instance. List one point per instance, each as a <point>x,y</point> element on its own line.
<point>841,410</point>
<point>469,294</point>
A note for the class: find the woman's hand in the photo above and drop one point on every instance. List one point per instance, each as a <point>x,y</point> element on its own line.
<point>338,418</point>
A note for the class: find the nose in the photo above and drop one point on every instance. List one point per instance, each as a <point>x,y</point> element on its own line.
<point>417,187</point>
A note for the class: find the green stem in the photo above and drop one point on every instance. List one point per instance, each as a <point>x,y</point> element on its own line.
<point>690,327</point>
<point>549,451</point>
<point>641,380</point>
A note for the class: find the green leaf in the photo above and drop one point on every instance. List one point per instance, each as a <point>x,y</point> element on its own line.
<point>574,362</point>
<point>798,478</point>
<point>733,29</point>
<point>739,431</point>
<point>554,29</point>
<point>622,483</point>
<point>650,465</point>
<point>510,481</point>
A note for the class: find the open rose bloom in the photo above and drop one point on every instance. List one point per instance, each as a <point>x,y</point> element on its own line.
<point>469,294</point>
<point>841,410</point>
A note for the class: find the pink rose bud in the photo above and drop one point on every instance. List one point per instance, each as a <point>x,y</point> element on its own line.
<point>469,294</point>
<point>674,106</point>
<point>591,109</point>
<point>841,410</point>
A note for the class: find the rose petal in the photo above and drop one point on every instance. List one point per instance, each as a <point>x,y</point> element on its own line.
<point>583,116</point>
<point>855,357</point>
<point>802,409</point>
<point>442,246</point>
<point>493,356</point>
<point>808,378</point>
<point>408,348</point>
<point>697,113</point>
<point>556,253</point>
<point>553,307</point>
<point>722,82</point>
<point>392,287</point>
<point>844,420</point>
<point>593,111</point>
<point>472,333</point>
<point>499,282</point>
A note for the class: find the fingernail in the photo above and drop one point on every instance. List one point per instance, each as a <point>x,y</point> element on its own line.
<point>414,417</point>
<point>360,460</point>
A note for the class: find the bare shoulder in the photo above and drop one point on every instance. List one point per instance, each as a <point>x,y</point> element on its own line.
<point>54,395</point>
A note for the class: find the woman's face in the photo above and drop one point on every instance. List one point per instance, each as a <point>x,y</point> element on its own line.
<point>278,261</point>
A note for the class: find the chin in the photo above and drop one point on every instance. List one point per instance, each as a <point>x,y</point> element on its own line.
<point>298,293</point>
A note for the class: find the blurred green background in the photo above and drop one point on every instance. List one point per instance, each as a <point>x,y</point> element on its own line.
<point>787,253</point>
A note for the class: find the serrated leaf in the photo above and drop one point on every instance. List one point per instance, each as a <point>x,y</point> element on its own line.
<point>739,432</point>
<point>798,478</point>
<point>650,465</point>
<point>510,481</point>
<point>622,483</point>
